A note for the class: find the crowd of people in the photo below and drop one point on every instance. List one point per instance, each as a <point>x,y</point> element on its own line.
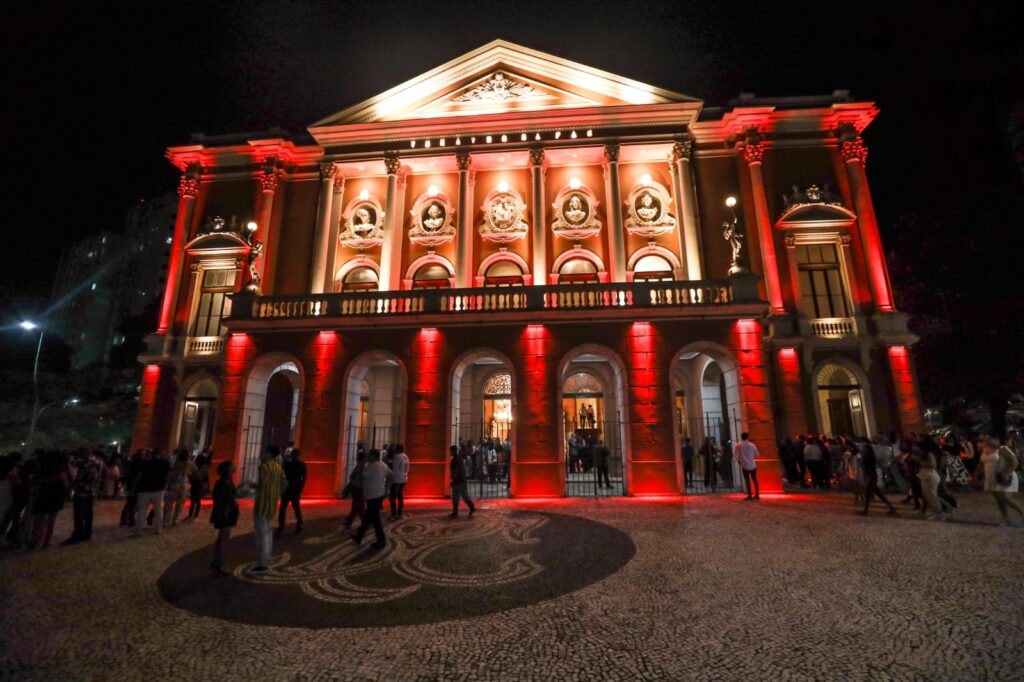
<point>923,468</point>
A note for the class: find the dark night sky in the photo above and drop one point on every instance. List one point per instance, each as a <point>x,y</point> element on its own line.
<point>92,97</point>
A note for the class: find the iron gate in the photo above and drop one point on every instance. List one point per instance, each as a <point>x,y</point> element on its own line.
<point>257,437</point>
<point>486,452</point>
<point>593,459</point>
<point>366,438</point>
<point>713,469</point>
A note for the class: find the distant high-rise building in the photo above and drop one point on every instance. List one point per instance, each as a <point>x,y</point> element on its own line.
<point>147,233</point>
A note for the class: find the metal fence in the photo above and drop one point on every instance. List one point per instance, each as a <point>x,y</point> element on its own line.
<point>257,437</point>
<point>366,438</point>
<point>713,469</point>
<point>486,451</point>
<point>593,459</point>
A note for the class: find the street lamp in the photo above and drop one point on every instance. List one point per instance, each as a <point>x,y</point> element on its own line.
<point>29,325</point>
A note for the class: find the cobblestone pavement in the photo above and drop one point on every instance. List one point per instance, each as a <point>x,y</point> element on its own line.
<point>791,588</point>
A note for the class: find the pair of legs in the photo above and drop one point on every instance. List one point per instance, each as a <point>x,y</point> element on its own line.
<point>602,472</point>
<point>42,529</point>
<point>282,513</point>
<point>750,479</point>
<point>871,490</point>
<point>83,511</point>
<point>396,499</point>
<point>223,534</point>
<point>173,506</point>
<point>371,517</point>
<point>688,472</point>
<point>930,492</point>
<point>1004,503</point>
<point>460,492</point>
<point>195,503</point>
<point>357,509</point>
<point>264,532</point>
<point>128,510</point>
<point>155,498</point>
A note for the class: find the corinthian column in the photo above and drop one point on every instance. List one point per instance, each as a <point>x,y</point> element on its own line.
<point>854,154</point>
<point>268,187</point>
<point>686,208</point>
<point>464,238</point>
<point>332,239</point>
<point>390,257</point>
<point>616,238</point>
<point>188,190</point>
<point>753,154</point>
<point>328,171</point>
<point>540,227</point>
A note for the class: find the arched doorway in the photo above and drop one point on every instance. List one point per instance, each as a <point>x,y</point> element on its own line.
<point>841,401</point>
<point>707,411</point>
<point>198,416</point>
<point>374,407</point>
<point>270,415</point>
<point>482,413</point>
<point>591,398</point>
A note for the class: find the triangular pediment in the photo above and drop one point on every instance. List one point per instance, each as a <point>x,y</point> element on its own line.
<point>499,77</point>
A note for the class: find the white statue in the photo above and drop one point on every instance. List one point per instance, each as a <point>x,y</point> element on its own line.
<point>363,223</point>
<point>504,211</point>
<point>648,208</point>
<point>575,212</point>
<point>434,219</point>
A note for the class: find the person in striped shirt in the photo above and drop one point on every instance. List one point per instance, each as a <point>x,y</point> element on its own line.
<point>269,487</point>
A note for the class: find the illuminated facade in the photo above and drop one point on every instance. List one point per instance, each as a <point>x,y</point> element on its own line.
<point>520,248</point>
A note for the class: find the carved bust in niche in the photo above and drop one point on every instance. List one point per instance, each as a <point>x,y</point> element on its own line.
<point>576,209</point>
<point>648,207</point>
<point>365,220</point>
<point>433,217</point>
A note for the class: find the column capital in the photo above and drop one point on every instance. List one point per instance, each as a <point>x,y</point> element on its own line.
<point>188,185</point>
<point>536,156</point>
<point>682,150</point>
<point>853,151</point>
<point>328,171</point>
<point>268,182</point>
<point>753,153</point>
<point>611,153</point>
<point>391,163</point>
<point>463,160</point>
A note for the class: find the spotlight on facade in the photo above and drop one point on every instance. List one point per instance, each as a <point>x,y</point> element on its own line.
<point>730,202</point>
<point>573,135</point>
<point>590,133</point>
<point>504,138</point>
<point>574,183</point>
<point>502,186</point>
<point>27,325</point>
<point>523,137</point>
<point>440,143</point>
<point>412,143</point>
<point>488,139</point>
<point>558,134</point>
<point>364,194</point>
<point>432,190</point>
<point>646,180</point>
<point>536,136</point>
<point>252,226</point>
<point>458,140</point>
<point>426,143</point>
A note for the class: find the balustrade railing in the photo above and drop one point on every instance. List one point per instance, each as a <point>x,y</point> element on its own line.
<point>566,297</point>
<point>833,327</point>
<point>205,345</point>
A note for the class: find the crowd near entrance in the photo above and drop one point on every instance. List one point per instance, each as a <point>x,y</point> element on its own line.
<point>481,421</point>
<point>374,397</point>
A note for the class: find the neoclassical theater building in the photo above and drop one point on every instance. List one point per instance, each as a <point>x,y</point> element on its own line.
<point>515,248</point>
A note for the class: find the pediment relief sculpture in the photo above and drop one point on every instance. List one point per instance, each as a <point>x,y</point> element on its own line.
<point>504,210</point>
<point>432,220</point>
<point>500,88</point>
<point>364,223</point>
<point>647,209</point>
<point>812,195</point>
<point>575,213</point>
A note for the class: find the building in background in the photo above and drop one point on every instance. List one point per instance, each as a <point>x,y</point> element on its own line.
<point>523,256</point>
<point>147,233</point>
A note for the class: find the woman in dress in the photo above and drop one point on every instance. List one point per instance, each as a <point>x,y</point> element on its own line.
<point>224,516</point>
<point>929,476</point>
<point>999,460</point>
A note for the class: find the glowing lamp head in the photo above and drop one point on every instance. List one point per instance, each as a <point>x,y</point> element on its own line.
<point>364,194</point>
<point>73,401</point>
<point>502,186</point>
<point>433,191</point>
<point>646,180</point>
<point>730,202</point>
<point>251,226</point>
<point>27,325</point>
<point>574,183</point>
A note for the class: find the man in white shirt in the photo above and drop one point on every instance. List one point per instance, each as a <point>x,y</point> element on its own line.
<point>399,477</point>
<point>375,479</point>
<point>746,454</point>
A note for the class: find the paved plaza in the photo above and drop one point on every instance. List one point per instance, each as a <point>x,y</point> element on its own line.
<point>791,588</point>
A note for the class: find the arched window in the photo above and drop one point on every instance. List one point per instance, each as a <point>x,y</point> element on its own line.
<point>581,382</point>
<point>360,279</point>
<point>432,276</point>
<point>576,271</point>
<point>652,267</point>
<point>499,386</point>
<point>503,273</point>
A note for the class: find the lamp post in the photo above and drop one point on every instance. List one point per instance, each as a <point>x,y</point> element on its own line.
<point>29,325</point>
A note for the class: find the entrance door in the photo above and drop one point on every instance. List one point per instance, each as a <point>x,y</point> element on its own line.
<point>592,448</point>
<point>839,415</point>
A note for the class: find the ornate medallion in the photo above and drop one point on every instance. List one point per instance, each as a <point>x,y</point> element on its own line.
<point>501,88</point>
<point>647,209</point>
<point>432,220</point>
<point>575,215</point>
<point>503,210</point>
<point>364,218</point>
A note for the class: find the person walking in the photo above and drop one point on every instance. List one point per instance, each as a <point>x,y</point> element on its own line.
<point>132,470</point>
<point>997,470</point>
<point>399,477</point>
<point>929,477</point>
<point>746,454</point>
<point>49,500</point>
<point>459,487</point>
<point>154,470</point>
<point>269,485</point>
<point>295,475</point>
<point>85,488</point>
<point>177,481</point>
<point>601,457</point>
<point>354,487</point>
<point>687,453</point>
<point>812,459</point>
<point>375,479</point>
<point>869,471</point>
<point>224,516</point>
<point>197,486</point>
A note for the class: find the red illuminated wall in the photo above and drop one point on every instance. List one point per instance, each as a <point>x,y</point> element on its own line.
<point>755,392</point>
<point>792,408</point>
<point>156,408</point>
<point>908,403</point>
<point>539,471</point>
<point>653,463</point>
<point>427,414</point>
<point>320,424</point>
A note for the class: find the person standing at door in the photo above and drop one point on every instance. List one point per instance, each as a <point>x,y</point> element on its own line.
<point>375,481</point>
<point>687,462</point>
<point>746,454</point>
<point>710,458</point>
<point>583,417</point>
<point>459,487</point>
<point>295,475</point>
<point>601,455</point>
<point>591,418</point>
<point>399,477</point>
<point>268,493</point>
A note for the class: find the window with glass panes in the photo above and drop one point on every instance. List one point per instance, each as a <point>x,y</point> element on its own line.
<point>214,304</point>
<point>821,281</point>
